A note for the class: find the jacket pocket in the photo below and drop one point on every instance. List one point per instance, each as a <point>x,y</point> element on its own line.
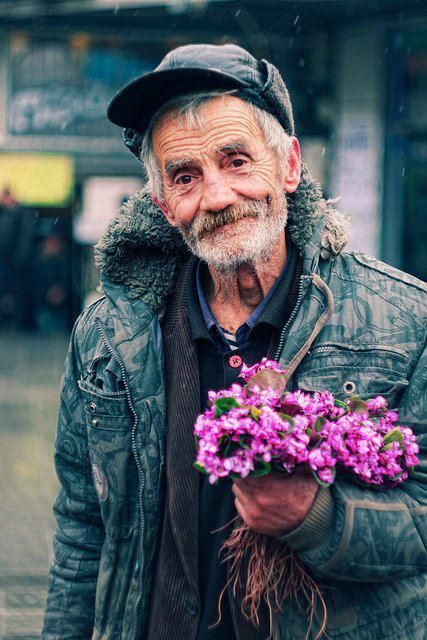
<point>346,371</point>
<point>109,423</point>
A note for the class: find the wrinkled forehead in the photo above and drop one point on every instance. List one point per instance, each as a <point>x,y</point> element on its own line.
<point>221,123</point>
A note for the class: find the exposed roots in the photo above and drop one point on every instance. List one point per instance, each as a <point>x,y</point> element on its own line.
<point>275,573</point>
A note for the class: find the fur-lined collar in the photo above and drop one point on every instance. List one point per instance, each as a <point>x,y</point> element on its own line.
<point>142,252</point>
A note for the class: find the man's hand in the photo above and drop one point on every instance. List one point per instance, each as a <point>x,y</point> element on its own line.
<point>276,503</point>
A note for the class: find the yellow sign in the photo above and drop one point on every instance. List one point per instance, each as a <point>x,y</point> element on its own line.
<point>38,179</point>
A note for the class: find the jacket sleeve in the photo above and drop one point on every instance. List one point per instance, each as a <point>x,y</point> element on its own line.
<point>79,535</point>
<point>353,533</point>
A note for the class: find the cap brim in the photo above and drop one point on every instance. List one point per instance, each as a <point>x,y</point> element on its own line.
<point>138,101</point>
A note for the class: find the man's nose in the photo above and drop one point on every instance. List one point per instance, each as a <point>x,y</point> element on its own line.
<point>217,193</point>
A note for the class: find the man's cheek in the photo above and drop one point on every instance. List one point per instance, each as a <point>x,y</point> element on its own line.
<point>180,206</point>
<point>264,178</point>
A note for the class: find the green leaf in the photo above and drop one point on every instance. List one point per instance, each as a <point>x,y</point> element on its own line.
<point>223,405</point>
<point>387,447</point>
<point>395,435</point>
<point>284,416</point>
<point>242,441</point>
<point>343,405</point>
<point>320,421</point>
<point>200,468</point>
<point>226,449</point>
<point>357,405</point>
<point>263,471</point>
<point>268,379</point>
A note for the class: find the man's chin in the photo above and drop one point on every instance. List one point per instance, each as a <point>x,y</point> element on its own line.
<point>224,257</point>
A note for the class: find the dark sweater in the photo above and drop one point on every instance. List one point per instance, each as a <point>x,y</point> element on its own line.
<point>189,575</point>
<point>260,336</point>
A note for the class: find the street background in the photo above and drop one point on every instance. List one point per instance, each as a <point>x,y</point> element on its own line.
<point>30,367</point>
<point>357,75</point>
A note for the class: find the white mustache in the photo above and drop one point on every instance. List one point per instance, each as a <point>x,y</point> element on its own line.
<point>207,222</point>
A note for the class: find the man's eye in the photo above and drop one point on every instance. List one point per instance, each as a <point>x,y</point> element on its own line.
<point>238,162</point>
<point>184,179</point>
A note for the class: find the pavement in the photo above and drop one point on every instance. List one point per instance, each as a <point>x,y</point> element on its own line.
<point>30,371</point>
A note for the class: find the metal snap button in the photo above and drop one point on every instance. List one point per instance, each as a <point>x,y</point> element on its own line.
<point>349,386</point>
<point>95,422</point>
<point>91,407</point>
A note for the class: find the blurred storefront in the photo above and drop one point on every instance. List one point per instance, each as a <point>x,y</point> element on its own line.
<point>405,196</point>
<point>54,116</point>
<point>36,191</point>
<point>356,72</point>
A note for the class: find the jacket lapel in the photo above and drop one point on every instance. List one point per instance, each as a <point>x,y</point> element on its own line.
<point>183,407</point>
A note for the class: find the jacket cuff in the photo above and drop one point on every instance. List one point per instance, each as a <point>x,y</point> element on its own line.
<point>317,525</point>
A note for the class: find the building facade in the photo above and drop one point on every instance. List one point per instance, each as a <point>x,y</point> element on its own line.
<point>357,77</point>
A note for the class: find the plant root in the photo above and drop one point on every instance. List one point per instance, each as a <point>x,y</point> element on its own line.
<point>275,573</point>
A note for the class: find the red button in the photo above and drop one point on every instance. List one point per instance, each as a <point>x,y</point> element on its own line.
<point>235,362</point>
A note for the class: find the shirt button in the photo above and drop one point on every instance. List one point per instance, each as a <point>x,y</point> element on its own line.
<point>95,422</point>
<point>235,361</point>
<point>192,607</point>
<point>91,407</point>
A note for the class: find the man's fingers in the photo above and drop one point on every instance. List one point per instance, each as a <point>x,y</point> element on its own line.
<point>244,497</point>
<point>238,491</point>
<point>239,507</point>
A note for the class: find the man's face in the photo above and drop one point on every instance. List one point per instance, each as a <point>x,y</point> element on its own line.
<point>223,187</point>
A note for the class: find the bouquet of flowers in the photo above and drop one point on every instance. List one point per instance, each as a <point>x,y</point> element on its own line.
<point>255,428</point>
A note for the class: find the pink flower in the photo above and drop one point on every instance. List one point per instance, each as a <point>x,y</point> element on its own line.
<point>377,405</point>
<point>243,429</point>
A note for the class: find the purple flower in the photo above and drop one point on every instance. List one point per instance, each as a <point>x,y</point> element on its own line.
<point>377,405</point>
<point>243,429</point>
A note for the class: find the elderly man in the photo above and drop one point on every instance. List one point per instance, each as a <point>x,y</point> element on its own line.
<point>228,255</point>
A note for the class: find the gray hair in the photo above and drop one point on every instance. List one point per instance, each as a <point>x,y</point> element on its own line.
<point>187,109</point>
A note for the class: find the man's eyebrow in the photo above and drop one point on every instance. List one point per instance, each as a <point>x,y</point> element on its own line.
<point>236,145</point>
<point>180,163</point>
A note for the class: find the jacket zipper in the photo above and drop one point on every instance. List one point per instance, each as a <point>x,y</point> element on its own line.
<point>290,319</point>
<point>137,462</point>
<point>338,348</point>
<point>322,349</point>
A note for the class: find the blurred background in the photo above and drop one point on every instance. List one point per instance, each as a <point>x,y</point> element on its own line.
<point>357,74</point>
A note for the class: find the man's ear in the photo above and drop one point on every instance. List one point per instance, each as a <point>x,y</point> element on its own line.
<point>292,176</point>
<point>163,208</point>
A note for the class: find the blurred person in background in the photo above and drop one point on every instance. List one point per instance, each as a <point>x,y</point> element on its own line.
<point>229,254</point>
<point>17,246</point>
<point>51,278</point>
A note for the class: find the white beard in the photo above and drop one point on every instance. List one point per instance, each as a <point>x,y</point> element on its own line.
<point>250,240</point>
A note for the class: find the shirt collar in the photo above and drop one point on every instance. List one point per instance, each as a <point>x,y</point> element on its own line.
<point>270,311</point>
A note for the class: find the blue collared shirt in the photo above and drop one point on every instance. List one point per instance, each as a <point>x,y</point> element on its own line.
<point>244,331</point>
